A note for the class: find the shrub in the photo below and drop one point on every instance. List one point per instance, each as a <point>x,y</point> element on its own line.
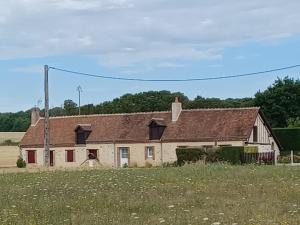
<point>9,142</point>
<point>231,154</point>
<point>189,155</point>
<point>21,162</point>
<point>148,164</point>
<point>212,155</point>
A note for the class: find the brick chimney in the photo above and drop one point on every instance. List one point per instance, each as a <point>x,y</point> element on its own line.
<point>176,109</point>
<point>35,116</point>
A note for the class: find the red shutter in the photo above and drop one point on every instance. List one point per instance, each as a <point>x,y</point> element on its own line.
<point>31,156</point>
<point>70,155</point>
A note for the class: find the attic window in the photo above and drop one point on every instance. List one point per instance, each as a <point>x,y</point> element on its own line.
<point>156,129</point>
<point>82,133</point>
<point>255,134</point>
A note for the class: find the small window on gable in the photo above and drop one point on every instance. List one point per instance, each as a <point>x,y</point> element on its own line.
<point>255,134</point>
<point>149,152</point>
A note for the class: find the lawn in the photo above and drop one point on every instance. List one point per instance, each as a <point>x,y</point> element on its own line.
<point>189,195</point>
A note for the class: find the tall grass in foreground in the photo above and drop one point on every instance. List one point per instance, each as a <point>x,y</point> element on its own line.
<point>188,195</point>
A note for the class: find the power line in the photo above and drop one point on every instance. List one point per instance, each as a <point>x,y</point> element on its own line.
<point>174,80</point>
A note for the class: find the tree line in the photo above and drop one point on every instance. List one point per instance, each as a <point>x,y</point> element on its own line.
<point>280,104</point>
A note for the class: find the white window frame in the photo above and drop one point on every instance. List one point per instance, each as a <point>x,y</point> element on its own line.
<point>150,149</point>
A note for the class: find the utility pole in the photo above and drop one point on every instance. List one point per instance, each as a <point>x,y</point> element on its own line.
<point>79,89</point>
<point>46,125</point>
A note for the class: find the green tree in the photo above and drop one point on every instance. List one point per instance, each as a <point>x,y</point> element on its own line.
<point>280,102</point>
<point>70,107</point>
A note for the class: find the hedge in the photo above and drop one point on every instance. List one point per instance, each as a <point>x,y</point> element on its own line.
<point>189,155</point>
<point>231,154</point>
<point>289,138</point>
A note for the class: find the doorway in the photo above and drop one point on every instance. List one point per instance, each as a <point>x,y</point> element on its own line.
<point>124,157</point>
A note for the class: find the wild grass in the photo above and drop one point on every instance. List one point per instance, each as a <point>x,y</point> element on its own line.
<point>215,194</point>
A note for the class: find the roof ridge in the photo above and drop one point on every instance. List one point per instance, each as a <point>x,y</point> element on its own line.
<point>207,109</point>
<point>111,114</point>
<point>141,113</point>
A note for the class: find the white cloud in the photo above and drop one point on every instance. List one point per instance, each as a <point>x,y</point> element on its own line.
<point>125,32</point>
<point>29,69</point>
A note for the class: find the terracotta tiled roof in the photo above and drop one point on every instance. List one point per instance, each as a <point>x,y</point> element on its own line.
<point>192,125</point>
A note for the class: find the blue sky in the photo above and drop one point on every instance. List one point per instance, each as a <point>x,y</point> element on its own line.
<point>157,39</point>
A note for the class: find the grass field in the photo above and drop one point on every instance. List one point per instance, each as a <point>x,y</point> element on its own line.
<point>188,195</point>
<point>13,136</point>
<point>8,156</point>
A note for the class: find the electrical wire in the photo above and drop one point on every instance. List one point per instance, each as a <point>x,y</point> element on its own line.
<point>174,80</point>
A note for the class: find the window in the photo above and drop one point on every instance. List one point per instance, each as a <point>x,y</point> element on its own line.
<point>92,154</point>
<point>31,156</point>
<point>82,133</point>
<point>80,138</point>
<point>70,156</point>
<point>149,152</point>
<point>156,131</point>
<point>255,135</point>
<point>124,153</point>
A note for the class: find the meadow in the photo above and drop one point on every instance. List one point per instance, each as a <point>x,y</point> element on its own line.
<point>215,194</point>
<point>13,136</point>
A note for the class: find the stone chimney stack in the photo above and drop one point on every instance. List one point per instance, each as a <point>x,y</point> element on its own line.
<point>35,116</point>
<point>176,109</point>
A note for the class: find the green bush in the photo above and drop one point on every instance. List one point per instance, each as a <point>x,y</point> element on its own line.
<point>289,138</point>
<point>212,155</point>
<point>189,155</point>
<point>21,162</point>
<point>231,154</point>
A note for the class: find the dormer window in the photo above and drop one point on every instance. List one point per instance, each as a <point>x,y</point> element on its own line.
<point>82,133</point>
<point>156,129</point>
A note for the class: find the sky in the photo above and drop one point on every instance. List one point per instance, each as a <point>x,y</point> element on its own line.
<point>157,39</point>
